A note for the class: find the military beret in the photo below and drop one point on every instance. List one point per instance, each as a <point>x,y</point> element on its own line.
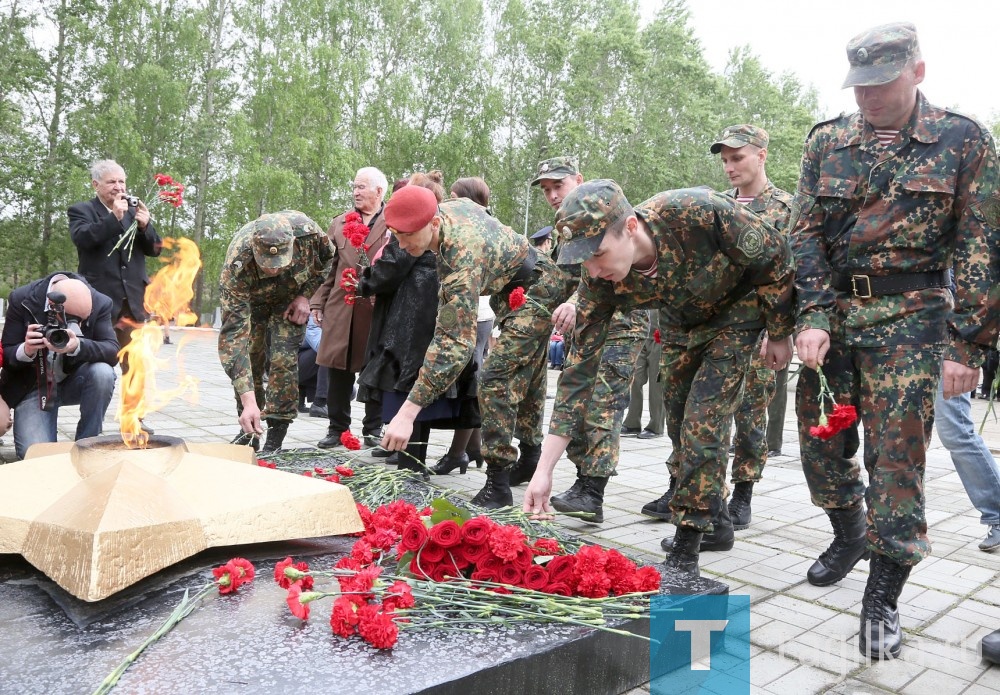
<point>556,168</point>
<point>740,135</point>
<point>878,55</point>
<point>410,209</point>
<point>590,210</point>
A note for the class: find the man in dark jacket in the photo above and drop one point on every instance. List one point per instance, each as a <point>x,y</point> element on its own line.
<point>96,227</point>
<point>41,373</point>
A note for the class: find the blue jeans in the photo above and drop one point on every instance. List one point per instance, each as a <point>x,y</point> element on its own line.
<point>973,461</point>
<point>91,384</point>
<point>556,353</point>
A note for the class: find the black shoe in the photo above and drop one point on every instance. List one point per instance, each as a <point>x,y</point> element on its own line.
<point>586,496</point>
<point>660,508</point>
<point>276,431</point>
<point>476,456</point>
<point>739,505</point>
<point>496,493</point>
<point>319,411</point>
<point>848,546</point>
<point>630,431</point>
<point>526,464</point>
<point>881,636</point>
<point>303,408</point>
<point>720,539</point>
<point>449,463</point>
<point>407,462</point>
<point>247,439</point>
<point>392,459</point>
<point>331,440</point>
<point>773,453</point>
<point>648,434</point>
<point>683,554</point>
<point>991,647</point>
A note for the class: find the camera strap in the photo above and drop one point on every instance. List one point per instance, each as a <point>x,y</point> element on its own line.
<point>47,384</point>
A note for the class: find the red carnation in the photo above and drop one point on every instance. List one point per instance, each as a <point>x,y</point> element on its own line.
<point>362,552</point>
<point>656,336</point>
<point>234,574</point>
<point>842,417</point>
<point>594,584</point>
<point>399,595</point>
<point>260,462</point>
<point>546,546</point>
<point>286,572</point>
<point>516,299</point>
<point>476,530</point>
<point>163,180</point>
<point>648,579</point>
<point>344,471</point>
<point>536,577</point>
<point>350,442</point>
<point>506,542</point>
<point>446,533</point>
<point>377,627</point>
<point>299,610</point>
<point>344,617</point>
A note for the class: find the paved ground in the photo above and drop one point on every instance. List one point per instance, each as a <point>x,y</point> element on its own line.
<point>803,637</point>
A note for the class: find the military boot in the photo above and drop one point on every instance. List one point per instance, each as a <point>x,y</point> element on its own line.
<point>496,493</point>
<point>721,538</point>
<point>660,508</point>
<point>881,636</point>
<point>526,464</point>
<point>588,498</point>
<point>332,438</point>
<point>276,431</point>
<point>682,557</point>
<point>848,546</point>
<point>739,505</point>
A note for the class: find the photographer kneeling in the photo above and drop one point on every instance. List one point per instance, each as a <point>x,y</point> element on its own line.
<point>59,348</point>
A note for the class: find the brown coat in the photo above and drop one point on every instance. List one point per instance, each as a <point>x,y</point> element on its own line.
<point>345,327</point>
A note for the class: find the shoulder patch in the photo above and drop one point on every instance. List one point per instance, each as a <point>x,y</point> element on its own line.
<point>988,210</point>
<point>751,241</point>
<point>448,317</point>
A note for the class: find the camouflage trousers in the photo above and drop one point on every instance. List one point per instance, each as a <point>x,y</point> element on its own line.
<point>703,388</point>
<point>530,411</point>
<point>893,389</point>
<point>270,331</point>
<point>751,422</point>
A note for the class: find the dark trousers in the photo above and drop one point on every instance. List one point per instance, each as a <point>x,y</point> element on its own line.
<point>338,403</point>
<point>776,411</point>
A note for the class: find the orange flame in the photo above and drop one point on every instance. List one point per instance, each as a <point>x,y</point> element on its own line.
<point>168,297</point>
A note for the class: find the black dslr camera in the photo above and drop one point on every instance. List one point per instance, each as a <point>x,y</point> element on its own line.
<point>133,200</point>
<point>55,329</point>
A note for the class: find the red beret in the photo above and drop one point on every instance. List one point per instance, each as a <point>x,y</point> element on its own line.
<point>410,209</point>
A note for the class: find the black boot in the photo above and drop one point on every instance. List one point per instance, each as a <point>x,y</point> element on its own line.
<point>526,464</point>
<point>660,508</point>
<point>588,498</point>
<point>721,538</point>
<point>496,493</point>
<point>683,554</point>
<point>247,439</point>
<point>881,636</point>
<point>848,546</point>
<point>739,505</point>
<point>331,440</point>
<point>448,463</point>
<point>991,647</point>
<point>276,431</point>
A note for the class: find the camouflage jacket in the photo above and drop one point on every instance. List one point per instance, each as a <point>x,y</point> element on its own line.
<point>922,203</point>
<point>477,256</point>
<point>720,266</point>
<point>773,205</point>
<point>243,286</point>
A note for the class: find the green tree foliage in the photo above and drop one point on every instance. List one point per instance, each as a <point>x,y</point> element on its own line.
<point>259,105</point>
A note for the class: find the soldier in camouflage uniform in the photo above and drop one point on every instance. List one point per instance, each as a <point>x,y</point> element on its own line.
<point>272,266</point>
<point>595,448</point>
<point>723,274</point>
<point>477,255</point>
<point>891,198</point>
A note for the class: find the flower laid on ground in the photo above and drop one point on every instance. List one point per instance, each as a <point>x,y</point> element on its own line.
<point>170,192</point>
<point>518,298</point>
<point>350,442</point>
<point>356,232</point>
<point>842,417</point>
<point>456,572</point>
<point>349,283</point>
<point>228,579</point>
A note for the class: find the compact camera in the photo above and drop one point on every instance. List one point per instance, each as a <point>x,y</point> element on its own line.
<point>133,201</point>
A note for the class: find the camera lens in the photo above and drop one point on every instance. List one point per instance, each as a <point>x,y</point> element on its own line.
<point>59,337</point>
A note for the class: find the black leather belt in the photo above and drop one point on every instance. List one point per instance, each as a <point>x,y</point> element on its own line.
<point>865,286</point>
<point>525,274</point>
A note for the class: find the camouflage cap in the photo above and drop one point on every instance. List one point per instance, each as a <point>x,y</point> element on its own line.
<point>740,135</point>
<point>273,241</point>
<point>590,210</point>
<point>556,168</point>
<point>878,56</point>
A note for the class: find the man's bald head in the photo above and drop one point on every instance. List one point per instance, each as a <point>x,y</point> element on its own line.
<point>79,301</point>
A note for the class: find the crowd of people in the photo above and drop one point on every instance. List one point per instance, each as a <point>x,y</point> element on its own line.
<point>881,268</point>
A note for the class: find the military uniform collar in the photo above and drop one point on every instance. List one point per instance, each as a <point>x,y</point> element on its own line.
<point>924,126</point>
<point>759,202</point>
